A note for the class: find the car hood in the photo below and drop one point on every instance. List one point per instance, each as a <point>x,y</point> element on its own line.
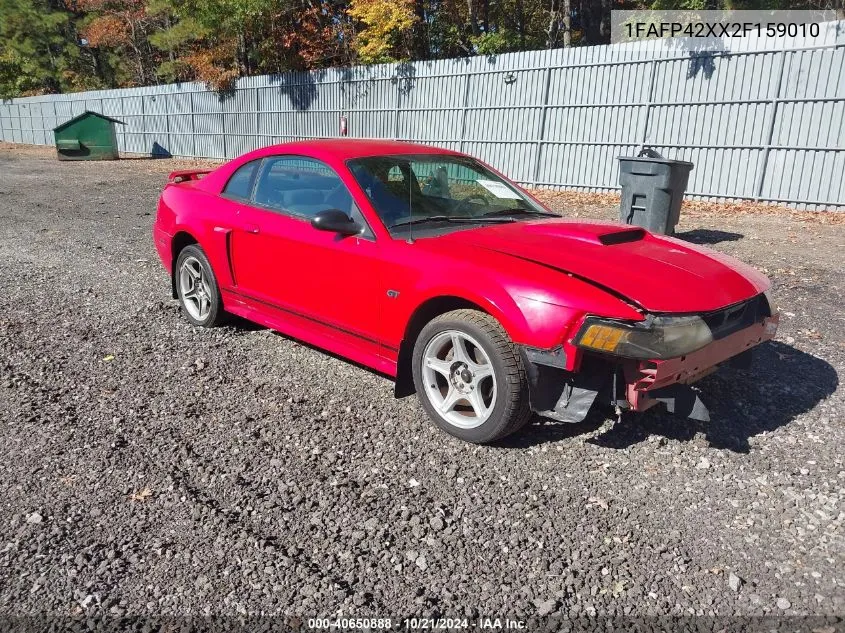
<point>658,273</point>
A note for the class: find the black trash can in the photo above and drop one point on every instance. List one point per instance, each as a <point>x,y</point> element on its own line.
<point>652,191</point>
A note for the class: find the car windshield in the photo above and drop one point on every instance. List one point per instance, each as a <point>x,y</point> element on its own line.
<point>438,189</point>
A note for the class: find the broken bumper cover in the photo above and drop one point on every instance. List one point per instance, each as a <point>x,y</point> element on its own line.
<point>650,382</point>
<point>635,385</point>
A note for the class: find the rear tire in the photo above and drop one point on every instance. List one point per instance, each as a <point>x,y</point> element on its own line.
<point>197,289</point>
<point>469,377</point>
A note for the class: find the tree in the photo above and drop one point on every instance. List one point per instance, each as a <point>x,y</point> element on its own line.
<point>39,50</point>
<point>64,45</point>
<point>386,29</point>
<point>307,35</point>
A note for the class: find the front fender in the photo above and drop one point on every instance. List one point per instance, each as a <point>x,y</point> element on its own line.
<point>529,322</point>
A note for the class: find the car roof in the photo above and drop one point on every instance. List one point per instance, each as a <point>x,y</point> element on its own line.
<point>346,148</point>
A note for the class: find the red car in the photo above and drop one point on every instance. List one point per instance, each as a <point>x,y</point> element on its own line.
<point>429,266</point>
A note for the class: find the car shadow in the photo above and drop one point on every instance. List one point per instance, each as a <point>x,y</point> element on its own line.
<point>782,383</point>
<point>243,325</point>
<point>140,157</point>
<point>708,236</point>
<point>541,430</point>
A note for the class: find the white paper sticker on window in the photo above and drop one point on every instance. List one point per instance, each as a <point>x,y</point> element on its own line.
<point>498,189</point>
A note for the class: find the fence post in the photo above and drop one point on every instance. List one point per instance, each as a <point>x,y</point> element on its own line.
<point>258,137</point>
<point>542,134</point>
<point>193,125</point>
<point>649,101</point>
<point>344,80</point>
<point>396,107</point>
<point>223,126</point>
<point>464,112</point>
<point>55,115</point>
<point>144,124</point>
<point>763,163</point>
<point>122,128</point>
<point>167,124</point>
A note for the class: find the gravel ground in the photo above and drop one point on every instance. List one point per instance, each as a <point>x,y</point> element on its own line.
<point>150,467</point>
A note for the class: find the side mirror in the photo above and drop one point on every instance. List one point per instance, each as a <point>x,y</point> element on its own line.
<point>336,221</point>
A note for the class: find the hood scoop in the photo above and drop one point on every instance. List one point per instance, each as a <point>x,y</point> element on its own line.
<point>622,237</point>
<point>603,233</point>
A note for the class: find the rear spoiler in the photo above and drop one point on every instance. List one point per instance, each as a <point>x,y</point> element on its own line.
<point>181,175</point>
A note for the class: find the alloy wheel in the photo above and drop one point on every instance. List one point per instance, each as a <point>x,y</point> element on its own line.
<point>195,287</point>
<point>460,381</point>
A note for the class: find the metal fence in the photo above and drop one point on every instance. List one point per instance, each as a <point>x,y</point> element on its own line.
<point>762,119</point>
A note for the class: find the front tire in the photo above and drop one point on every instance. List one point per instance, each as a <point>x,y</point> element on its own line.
<point>469,377</point>
<point>197,289</point>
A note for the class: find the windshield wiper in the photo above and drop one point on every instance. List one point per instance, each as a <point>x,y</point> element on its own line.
<point>511,212</point>
<point>458,219</point>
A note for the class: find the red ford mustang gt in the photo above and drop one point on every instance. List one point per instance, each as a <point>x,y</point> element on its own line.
<point>429,266</point>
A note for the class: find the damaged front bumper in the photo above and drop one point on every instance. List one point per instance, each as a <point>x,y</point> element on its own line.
<point>635,385</point>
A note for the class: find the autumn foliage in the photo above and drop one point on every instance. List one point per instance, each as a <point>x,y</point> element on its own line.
<point>65,45</point>
<point>385,24</point>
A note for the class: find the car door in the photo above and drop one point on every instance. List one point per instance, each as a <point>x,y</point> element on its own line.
<point>280,261</point>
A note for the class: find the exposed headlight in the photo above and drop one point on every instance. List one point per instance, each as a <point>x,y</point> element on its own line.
<point>656,337</point>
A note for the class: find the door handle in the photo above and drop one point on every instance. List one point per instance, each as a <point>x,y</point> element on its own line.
<point>250,228</point>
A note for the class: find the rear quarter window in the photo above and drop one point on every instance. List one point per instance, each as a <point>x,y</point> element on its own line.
<point>240,183</point>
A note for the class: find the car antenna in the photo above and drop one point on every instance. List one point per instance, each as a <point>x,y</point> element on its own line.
<point>410,209</point>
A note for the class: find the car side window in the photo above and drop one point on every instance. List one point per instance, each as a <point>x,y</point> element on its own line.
<point>300,186</point>
<point>240,183</point>
<point>303,187</point>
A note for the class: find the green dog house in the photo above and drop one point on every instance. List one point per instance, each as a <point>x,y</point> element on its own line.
<point>89,136</point>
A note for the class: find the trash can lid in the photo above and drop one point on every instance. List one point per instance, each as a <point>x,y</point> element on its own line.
<point>663,161</point>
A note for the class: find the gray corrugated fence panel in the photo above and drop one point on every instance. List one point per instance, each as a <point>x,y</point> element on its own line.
<point>133,130</point>
<point>23,124</point>
<point>9,131</point>
<point>761,118</point>
<point>809,125</point>
<point>516,160</point>
<point>709,108</point>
